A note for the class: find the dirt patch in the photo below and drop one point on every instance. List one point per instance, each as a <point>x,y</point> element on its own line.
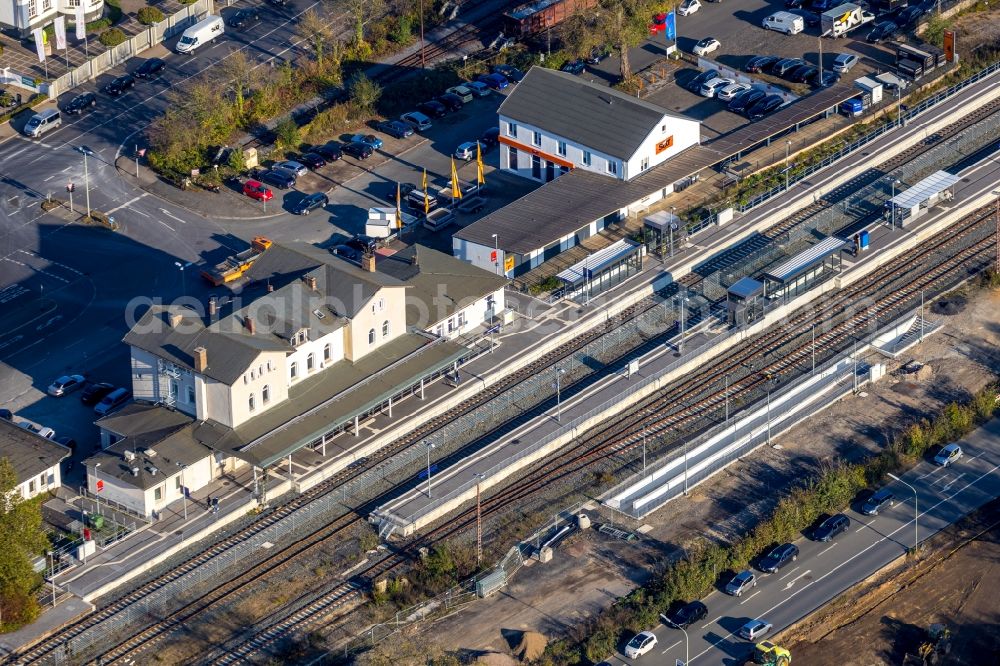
<point>531,646</point>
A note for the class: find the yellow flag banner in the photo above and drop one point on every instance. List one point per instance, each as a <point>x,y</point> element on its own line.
<point>399,212</point>
<point>456,191</point>
<point>423,188</point>
<point>480,176</point>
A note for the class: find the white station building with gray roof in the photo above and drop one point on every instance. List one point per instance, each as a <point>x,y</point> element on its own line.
<point>554,122</point>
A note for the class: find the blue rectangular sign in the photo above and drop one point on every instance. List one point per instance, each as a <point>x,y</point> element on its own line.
<point>670,30</point>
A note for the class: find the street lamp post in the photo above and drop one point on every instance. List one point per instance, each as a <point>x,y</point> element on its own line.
<point>771,381</point>
<point>680,342</point>
<point>181,267</point>
<point>184,490</point>
<point>788,147</point>
<point>559,373</point>
<point>496,254</point>
<point>892,206</point>
<point>814,349</point>
<point>479,522</point>
<point>687,643</point>
<point>86,181</point>
<point>97,495</point>
<point>916,512</point>
<point>430,445</point>
<point>673,223</point>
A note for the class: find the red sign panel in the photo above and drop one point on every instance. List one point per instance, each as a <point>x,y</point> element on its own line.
<point>949,45</point>
<point>100,485</point>
<point>493,256</point>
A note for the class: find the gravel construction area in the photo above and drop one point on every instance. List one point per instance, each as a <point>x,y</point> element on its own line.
<point>589,571</point>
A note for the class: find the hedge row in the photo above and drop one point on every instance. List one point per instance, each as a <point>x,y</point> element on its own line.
<point>30,104</point>
<point>829,492</point>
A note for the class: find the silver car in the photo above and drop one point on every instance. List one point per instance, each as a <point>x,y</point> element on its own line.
<point>754,629</point>
<point>741,582</point>
<point>65,384</point>
<point>297,168</point>
<point>948,455</point>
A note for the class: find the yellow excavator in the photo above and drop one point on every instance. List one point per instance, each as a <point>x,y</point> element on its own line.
<point>767,653</point>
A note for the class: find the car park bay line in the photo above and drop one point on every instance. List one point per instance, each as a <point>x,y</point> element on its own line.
<point>750,597</point>
<point>716,643</point>
<point>832,545</point>
<point>711,622</point>
<point>789,584</point>
<point>789,573</point>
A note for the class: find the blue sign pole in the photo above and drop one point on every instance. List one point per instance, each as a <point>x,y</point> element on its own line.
<point>670,29</point>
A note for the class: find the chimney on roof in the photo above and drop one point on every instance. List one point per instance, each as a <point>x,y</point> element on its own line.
<point>175,319</point>
<point>311,282</point>
<point>249,323</point>
<point>368,262</point>
<point>270,287</point>
<point>213,306</point>
<point>200,359</point>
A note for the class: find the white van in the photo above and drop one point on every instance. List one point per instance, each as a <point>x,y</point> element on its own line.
<point>786,22</point>
<point>40,123</point>
<point>200,33</point>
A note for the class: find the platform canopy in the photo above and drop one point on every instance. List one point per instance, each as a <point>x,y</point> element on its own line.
<point>598,261</point>
<point>937,182</point>
<point>805,260</point>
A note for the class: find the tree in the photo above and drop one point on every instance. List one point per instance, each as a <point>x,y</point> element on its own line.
<point>622,24</point>
<point>315,29</point>
<point>360,12</point>
<point>580,34</point>
<point>364,92</point>
<point>21,538</point>
<point>240,71</point>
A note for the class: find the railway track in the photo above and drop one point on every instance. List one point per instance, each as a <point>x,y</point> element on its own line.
<point>670,411</point>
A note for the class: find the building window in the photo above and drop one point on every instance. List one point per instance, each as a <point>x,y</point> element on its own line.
<point>561,148</point>
<point>252,402</point>
<point>157,494</point>
<point>253,375</point>
<point>310,362</point>
<point>663,128</point>
<point>246,380</point>
<point>293,369</point>
<point>451,325</point>
<point>645,164</point>
<point>31,486</point>
<point>265,394</point>
<point>190,395</point>
<point>511,129</point>
<point>269,366</point>
<point>327,352</point>
<point>385,328</point>
<point>586,157</point>
<point>439,330</point>
<point>177,482</point>
<point>32,9</point>
<point>260,370</point>
<point>536,138</point>
<point>512,157</point>
<point>174,389</point>
<point>536,167</point>
<point>46,5</point>
<point>461,320</point>
<point>371,336</point>
<point>613,167</point>
<point>381,304</point>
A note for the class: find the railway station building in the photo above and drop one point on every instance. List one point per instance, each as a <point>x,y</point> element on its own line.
<point>312,346</point>
<point>35,459</point>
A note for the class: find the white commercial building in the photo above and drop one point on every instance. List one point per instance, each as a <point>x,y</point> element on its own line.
<point>23,16</point>
<point>35,459</point>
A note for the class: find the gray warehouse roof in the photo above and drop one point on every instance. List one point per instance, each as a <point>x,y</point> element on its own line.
<point>596,116</point>
<point>29,453</point>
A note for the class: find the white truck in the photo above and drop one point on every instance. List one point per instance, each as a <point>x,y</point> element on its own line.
<point>842,19</point>
<point>200,33</point>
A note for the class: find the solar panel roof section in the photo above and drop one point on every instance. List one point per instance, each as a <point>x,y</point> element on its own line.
<point>597,261</point>
<point>806,259</point>
<point>933,184</point>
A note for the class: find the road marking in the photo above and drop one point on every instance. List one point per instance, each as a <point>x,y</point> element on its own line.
<point>789,573</point>
<point>825,549</point>
<point>166,225</point>
<point>711,622</point>
<point>671,647</point>
<point>167,213</point>
<point>750,597</point>
<point>49,178</point>
<point>789,584</point>
<point>952,482</point>
<point>930,473</point>
<point>863,526</point>
<point>127,203</point>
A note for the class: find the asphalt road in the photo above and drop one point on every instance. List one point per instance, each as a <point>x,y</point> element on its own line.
<point>824,570</point>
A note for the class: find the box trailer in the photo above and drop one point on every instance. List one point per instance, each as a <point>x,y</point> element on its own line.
<point>842,19</point>
<point>927,60</point>
<point>871,87</point>
<point>892,82</point>
<point>911,69</point>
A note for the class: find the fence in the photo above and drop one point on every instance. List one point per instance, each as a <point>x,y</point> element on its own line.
<point>136,44</point>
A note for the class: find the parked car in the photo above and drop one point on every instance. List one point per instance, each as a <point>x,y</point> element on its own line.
<point>120,85</point>
<point>640,644</point>
<point>812,19</point>
<point>363,243</point>
<point>466,151</point>
<point>478,88</point>
<point>87,100</point>
<point>687,614</point>
<point>279,3</point>
<point>149,68</point>
<point>395,128</point>
<point>831,527</point>
<point>65,385</point>
<point>741,582</point>
<point>309,203</point>
<point>490,138</point>
<point>509,72</point>
<point>574,66</point>
<point>494,81</point>
<point>746,99</point>
<point>361,151</point>
<point>764,106</point>
<point>312,160</point>
<point>6,415</point>
<point>694,85</point>
<point>93,393</point>
<point>821,5</point>
<point>68,442</point>
<point>597,54</point>
<point>882,31</point>
<point>433,109</point>
<point>779,557</point>
<point>828,79</point>
<point>688,7</point>
<point>451,102</point>
<point>803,74</point>
<point>463,92</point>
<point>417,120</point>
<point>402,189</point>
<point>244,17</point>
<point>909,16</point>
<point>47,433</point>
<point>786,64</point>
<point>948,455</point>
<point>658,24</point>
<point>706,46</point>
<point>883,499</point>
<point>279,178</point>
<point>348,253</point>
<point>330,151</point>
<point>759,63</point>
<point>754,629</point>
<point>112,401</point>
<point>843,62</point>
<point>369,139</point>
<point>297,168</point>
<point>727,93</point>
<point>255,190</point>
<point>712,86</point>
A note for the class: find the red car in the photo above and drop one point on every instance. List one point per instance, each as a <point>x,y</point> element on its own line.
<point>257,190</point>
<point>659,24</point>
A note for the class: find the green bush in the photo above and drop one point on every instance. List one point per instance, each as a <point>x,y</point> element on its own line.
<point>30,104</point>
<point>112,37</point>
<point>149,15</point>
<point>98,25</point>
<point>287,132</point>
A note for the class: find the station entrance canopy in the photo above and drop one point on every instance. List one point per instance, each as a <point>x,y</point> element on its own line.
<point>915,201</point>
<point>602,269</point>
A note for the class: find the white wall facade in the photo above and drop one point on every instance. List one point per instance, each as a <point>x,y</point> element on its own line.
<point>159,380</point>
<point>47,481</point>
<point>469,316</point>
<point>681,134</point>
<point>155,498</point>
<point>317,348</point>
<point>25,15</point>
<point>476,254</point>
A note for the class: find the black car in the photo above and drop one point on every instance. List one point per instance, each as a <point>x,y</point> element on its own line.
<point>149,68</point>
<point>759,63</point>
<point>831,527</point>
<point>120,85</point>
<point>805,74</point>
<point>347,252</point>
<point>764,106</point>
<point>909,16</point>
<point>829,78</point>
<point>68,442</point>
<point>790,74</point>
<point>312,160</point>
<point>574,66</point>
<point>511,73</point>
<point>279,3</point>
<point>794,4</point>
<point>87,100</point>
<point>307,204</point>
<point>244,17</point>
<point>687,614</point>
<point>451,101</point>
<point>94,393</point>
<point>6,415</point>
<point>883,499</point>
<point>433,109</point>
<point>363,244</point>
<point>330,151</point>
<point>786,64</point>
<point>822,5</point>
<point>279,178</point>
<point>746,99</point>
<point>779,557</point>
<point>694,85</point>
<point>395,128</point>
<point>401,188</point>
<point>490,138</point>
<point>359,150</point>
<point>811,19</point>
<point>882,31</point>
